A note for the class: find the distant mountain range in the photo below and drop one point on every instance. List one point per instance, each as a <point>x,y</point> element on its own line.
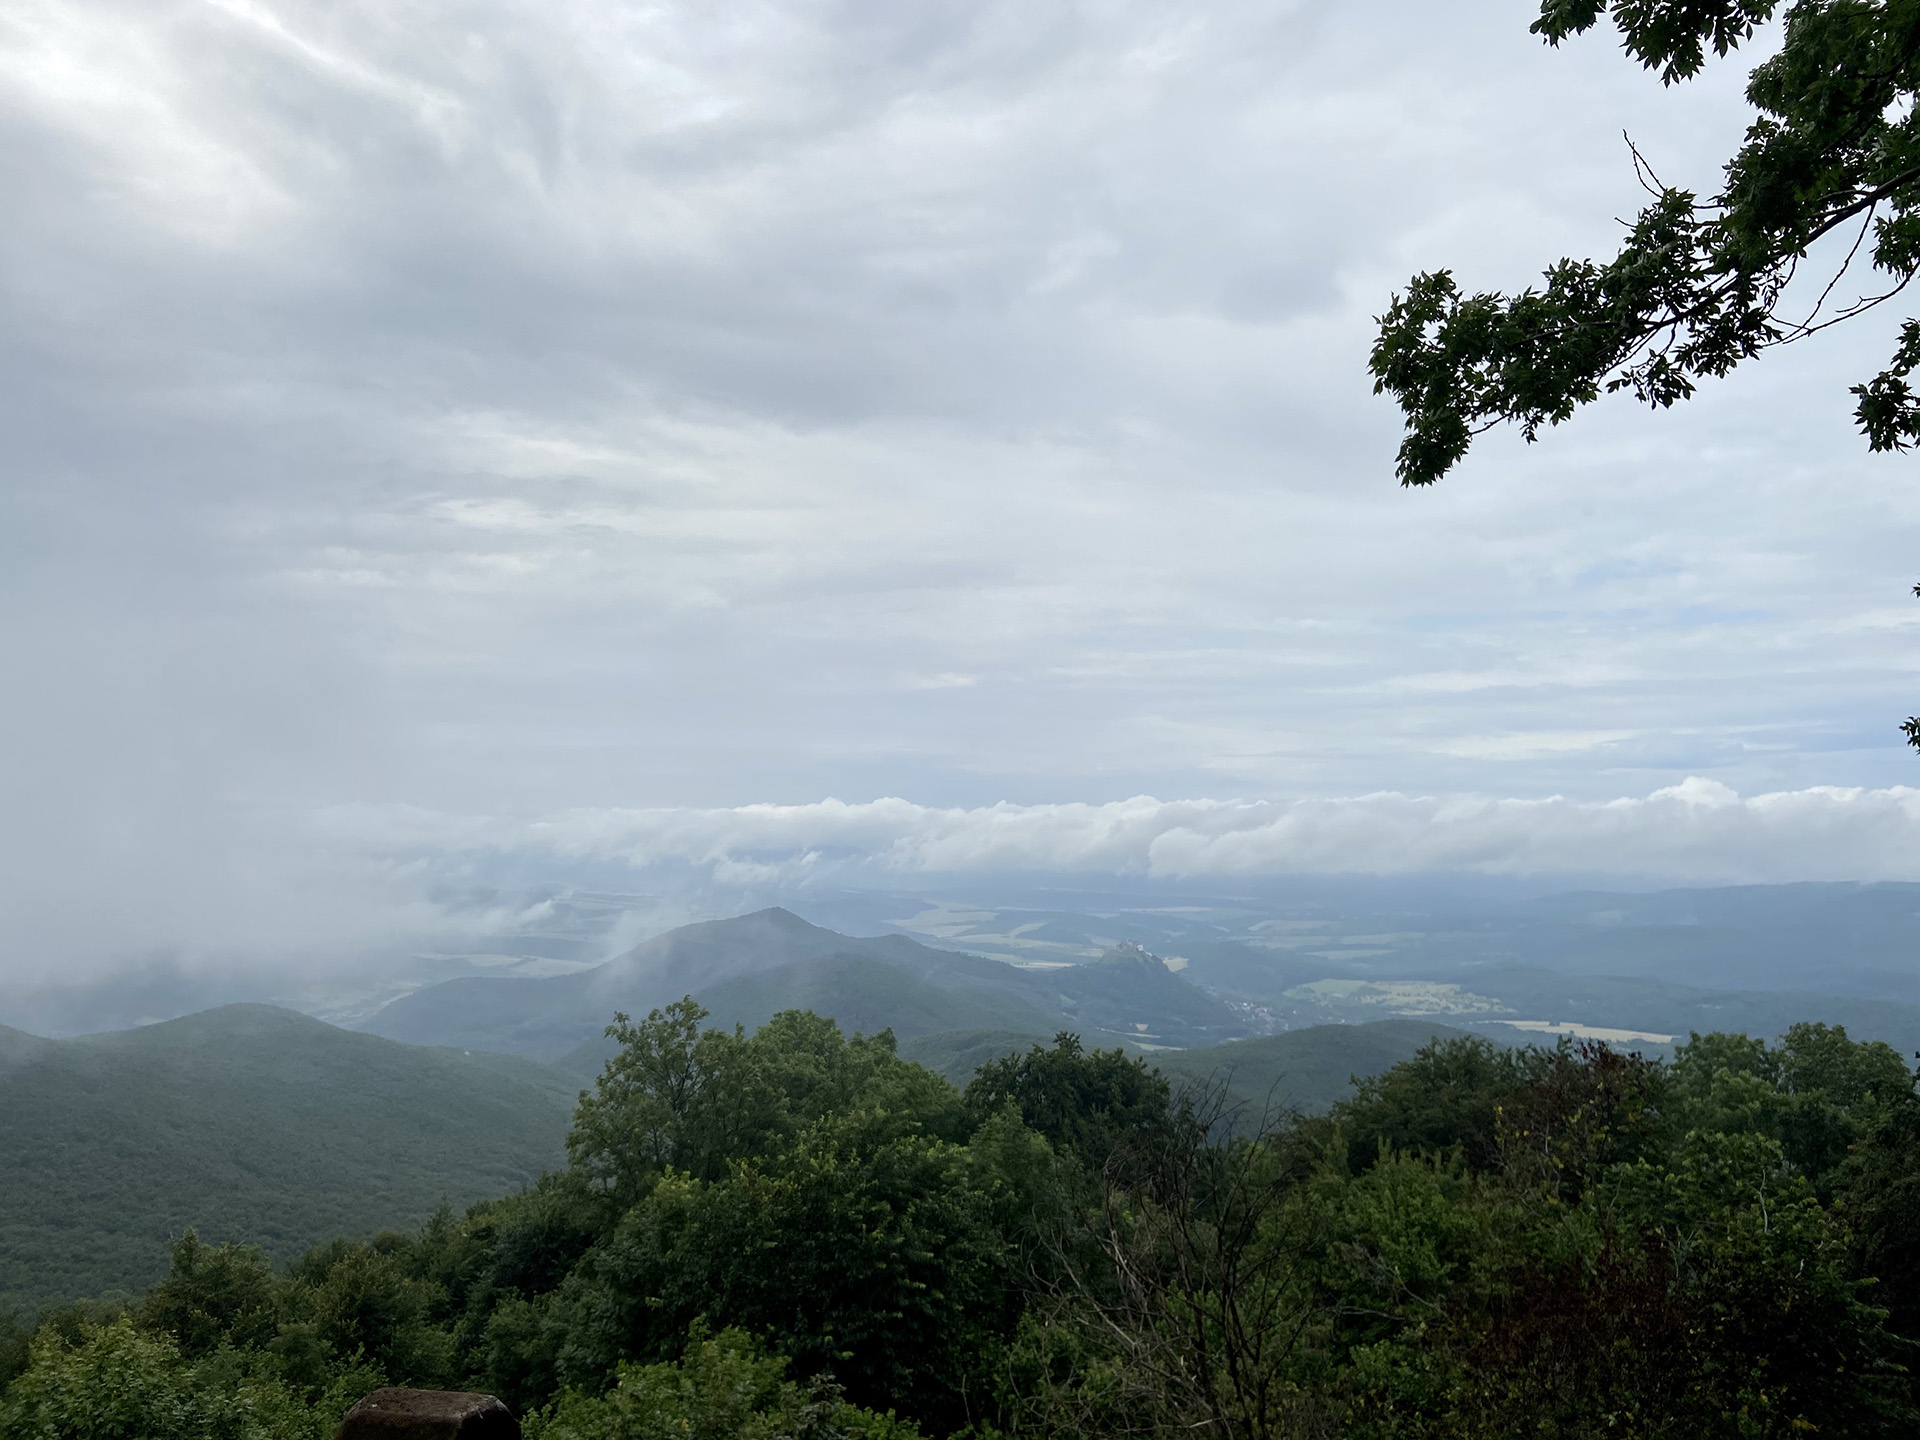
<point>1847,939</point>
<point>747,969</point>
<point>260,1124</point>
<point>1676,958</point>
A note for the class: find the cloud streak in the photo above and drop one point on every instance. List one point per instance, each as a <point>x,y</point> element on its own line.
<point>1698,831</point>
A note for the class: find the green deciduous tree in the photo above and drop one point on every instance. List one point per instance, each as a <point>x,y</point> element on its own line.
<point>1817,1093</point>
<point>1699,285</point>
<point>365,1302</point>
<point>1447,1095</point>
<point>1086,1103</point>
<point>863,1250</point>
<point>213,1296</point>
<point>679,1099</point>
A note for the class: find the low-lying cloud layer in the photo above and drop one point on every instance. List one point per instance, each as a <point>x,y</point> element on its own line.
<point>1697,831</point>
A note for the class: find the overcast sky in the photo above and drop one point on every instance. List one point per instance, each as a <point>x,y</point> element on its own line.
<point>439,425</point>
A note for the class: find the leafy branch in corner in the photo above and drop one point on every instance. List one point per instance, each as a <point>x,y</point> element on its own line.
<point>1699,284</point>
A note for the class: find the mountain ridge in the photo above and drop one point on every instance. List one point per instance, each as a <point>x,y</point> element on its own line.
<point>745,968</point>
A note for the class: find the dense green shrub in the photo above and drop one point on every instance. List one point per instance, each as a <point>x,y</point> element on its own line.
<point>122,1382</point>
<point>722,1388</point>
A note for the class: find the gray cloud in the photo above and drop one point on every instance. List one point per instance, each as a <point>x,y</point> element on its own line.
<point>1696,831</point>
<point>516,411</point>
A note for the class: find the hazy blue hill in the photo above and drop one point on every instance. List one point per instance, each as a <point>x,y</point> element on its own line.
<point>1130,992</point>
<point>246,1122</point>
<point>957,1054</point>
<point>1242,970</point>
<point>860,994</point>
<point>18,1048</point>
<point>992,982</point>
<point>864,995</point>
<point>746,968</point>
<point>1302,1069</point>
<point>86,1004</point>
<point>550,1017</point>
<point>1127,994</point>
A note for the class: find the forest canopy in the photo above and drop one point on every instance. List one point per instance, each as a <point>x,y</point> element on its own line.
<point>796,1232</point>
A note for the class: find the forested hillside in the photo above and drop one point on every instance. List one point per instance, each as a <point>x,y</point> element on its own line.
<point>255,1124</point>
<point>795,1232</point>
<point>251,1123</point>
<point>1309,1070</point>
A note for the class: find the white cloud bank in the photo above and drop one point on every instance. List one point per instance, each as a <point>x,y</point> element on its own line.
<point>1698,831</point>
